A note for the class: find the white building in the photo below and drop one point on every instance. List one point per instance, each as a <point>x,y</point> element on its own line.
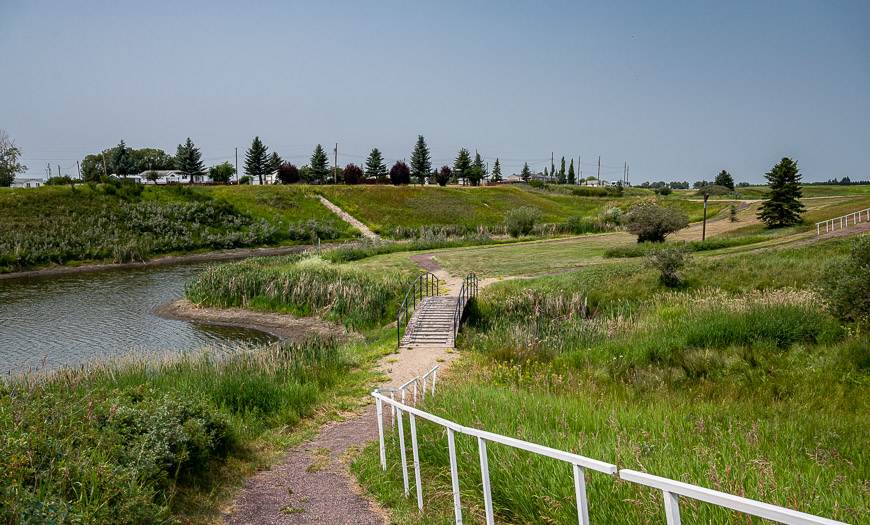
<point>169,177</point>
<point>271,178</point>
<point>27,183</point>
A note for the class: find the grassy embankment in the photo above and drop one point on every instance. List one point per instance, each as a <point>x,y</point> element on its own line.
<point>741,381</point>
<point>60,225</point>
<point>151,442</point>
<point>403,211</point>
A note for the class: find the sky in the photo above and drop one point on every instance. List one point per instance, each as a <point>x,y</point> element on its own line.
<point>678,90</point>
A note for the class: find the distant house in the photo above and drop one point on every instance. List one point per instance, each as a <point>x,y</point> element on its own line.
<point>543,178</point>
<point>170,177</point>
<point>271,178</point>
<point>27,183</point>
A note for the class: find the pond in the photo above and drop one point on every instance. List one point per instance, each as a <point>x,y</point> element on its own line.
<point>67,320</point>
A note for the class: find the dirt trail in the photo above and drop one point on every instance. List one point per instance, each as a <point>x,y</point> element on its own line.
<point>313,484</point>
<point>348,218</point>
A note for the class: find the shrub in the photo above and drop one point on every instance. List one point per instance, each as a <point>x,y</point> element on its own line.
<point>353,174</point>
<point>713,189</point>
<point>732,213</point>
<point>400,174</point>
<point>521,221</point>
<point>221,173</point>
<point>442,177</point>
<point>652,223</point>
<point>669,261</point>
<point>288,173</point>
<point>847,283</point>
<point>246,179</point>
<point>664,190</point>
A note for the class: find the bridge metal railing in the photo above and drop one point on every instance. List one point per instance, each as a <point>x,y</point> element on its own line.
<point>467,292</point>
<point>843,221</point>
<point>424,285</point>
<point>671,490</point>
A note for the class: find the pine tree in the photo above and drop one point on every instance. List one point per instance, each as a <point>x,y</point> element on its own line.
<point>121,161</point>
<point>257,162</point>
<point>496,171</point>
<point>526,174</point>
<point>572,177</point>
<point>319,164</point>
<point>783,206</point>
<point>375,167</point>
<point>478,170</point>
<point>275,162</point>
<point>462,164</point>
<point>545,172</point>
<point>724,179</point>
<point>189,160</point>
<point>561,179</point>
<point>421,163</point>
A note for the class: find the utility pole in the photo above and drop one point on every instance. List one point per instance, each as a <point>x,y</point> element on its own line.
<point>580,164</point>
<point>336,164</point>
<point>625,172</point>
<point>704,227</point>
<point>79,169</point>
<point>599,170</point>
<point>237,165</point>
<point>105,171</point>
<point>58,170</point>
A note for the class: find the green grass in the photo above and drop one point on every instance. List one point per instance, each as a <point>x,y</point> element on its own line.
<point>759,192</point>
<point>120,223</point>
<point>303,285</point>
<point>741,381</point>
<point>148,441</point>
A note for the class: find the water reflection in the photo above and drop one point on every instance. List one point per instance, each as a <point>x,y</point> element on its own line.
<point>70,319</point>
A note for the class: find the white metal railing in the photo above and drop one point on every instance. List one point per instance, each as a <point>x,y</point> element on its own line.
<point>671,489</point>
<point>843,221</point>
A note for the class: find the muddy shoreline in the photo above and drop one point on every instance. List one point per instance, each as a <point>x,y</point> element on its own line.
<point>222,255</point>
<point>283,326</point>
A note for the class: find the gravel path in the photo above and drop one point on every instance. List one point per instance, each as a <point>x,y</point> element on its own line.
<point>350,219</point>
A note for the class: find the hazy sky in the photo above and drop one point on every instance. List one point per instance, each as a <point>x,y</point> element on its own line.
<point>680,90</point>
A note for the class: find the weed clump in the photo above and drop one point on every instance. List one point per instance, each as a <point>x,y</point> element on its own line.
<point>522,220</point>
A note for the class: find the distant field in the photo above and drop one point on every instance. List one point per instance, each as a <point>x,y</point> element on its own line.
<point>759,192</point>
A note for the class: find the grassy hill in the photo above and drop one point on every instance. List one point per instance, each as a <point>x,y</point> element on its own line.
<point>57,225</point>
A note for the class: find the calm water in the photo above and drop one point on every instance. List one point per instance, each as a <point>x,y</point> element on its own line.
<point>67,320</point>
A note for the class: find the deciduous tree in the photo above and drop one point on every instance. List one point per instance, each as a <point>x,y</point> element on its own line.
<point>400,173</point>
<point>288,173</point>
<point>222,173</point>
<point>352,174</point>
<point>652,223</point>
<point>10,155</point>
<point>443,176</point>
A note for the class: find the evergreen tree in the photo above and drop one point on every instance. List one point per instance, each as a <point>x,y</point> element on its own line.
<point>319,164</point>
<point>496,171</point>
<point>552,168</point>
<point>478,170</point>
<point>375,167</point>
<point>724,179</point>
<point>189,160</point>
<point>572,177</point>
<point>122,163</point>
<point>782,206</point>
<point>545,172</point>
<point>526,174</point>
<point>275,162</point>
<point>462,165</point>
<point>421,163</point>
<point>561,178</point>
<point>257,161</point>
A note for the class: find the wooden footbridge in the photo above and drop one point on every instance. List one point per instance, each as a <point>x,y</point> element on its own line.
<point>426,318</point>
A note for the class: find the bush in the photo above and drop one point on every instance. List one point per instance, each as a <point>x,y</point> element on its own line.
<point>652,223</point>
<point>353,174</point>
<point>664,190</point>
<point>246,179</point>
<point>713,189</point>
<point>847,284</point>
<point>521,221</point>
<point>400,174</point>
<point>443,176</point>
<point>288,173</point>
<point>669,261</point>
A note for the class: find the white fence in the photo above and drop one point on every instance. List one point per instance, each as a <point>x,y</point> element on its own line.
<point>842,223</point>
<point>671,489</point>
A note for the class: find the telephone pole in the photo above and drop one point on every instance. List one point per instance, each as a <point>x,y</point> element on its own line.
<point>237,165</point>
<point>335,177</point>
<point>599,170</point>
<point>79,169</point>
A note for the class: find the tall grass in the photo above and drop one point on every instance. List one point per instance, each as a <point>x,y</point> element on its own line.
<point>117,442</point>
<point>303,286</point>
<point>742,382</point>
